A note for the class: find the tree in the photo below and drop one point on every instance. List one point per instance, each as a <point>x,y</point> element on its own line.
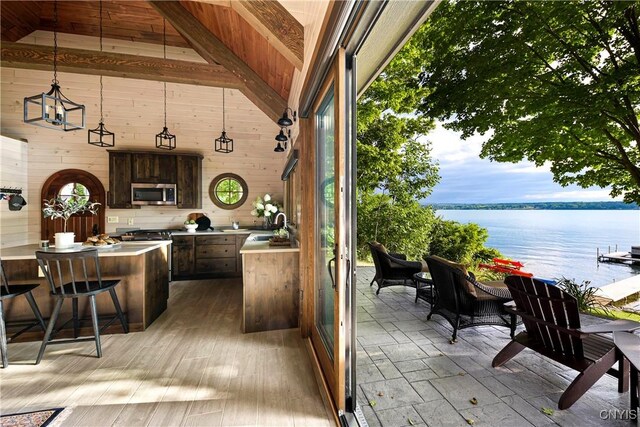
<point>555,81</point>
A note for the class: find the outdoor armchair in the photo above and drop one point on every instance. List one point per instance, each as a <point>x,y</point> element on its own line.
<point>392,269</point>
<point>465,302</point>
<point>552,329</point>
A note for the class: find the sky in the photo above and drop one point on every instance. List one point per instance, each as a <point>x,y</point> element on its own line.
<point>466,178</point>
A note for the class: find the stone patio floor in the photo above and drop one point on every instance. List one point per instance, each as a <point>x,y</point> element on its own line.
<point>410,375</point>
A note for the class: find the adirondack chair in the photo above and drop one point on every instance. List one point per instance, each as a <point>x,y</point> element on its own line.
<point>552,328</point>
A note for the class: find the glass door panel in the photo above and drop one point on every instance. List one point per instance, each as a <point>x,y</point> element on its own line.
<point>326,221</point>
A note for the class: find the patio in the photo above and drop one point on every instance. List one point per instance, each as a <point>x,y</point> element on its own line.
<point>409,375</point>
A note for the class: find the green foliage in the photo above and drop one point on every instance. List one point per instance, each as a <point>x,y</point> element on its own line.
<point>554,82</point>
<point>67,206</point>
<point>403,228</point>
<point>463,243</point>
<point>583,293</point>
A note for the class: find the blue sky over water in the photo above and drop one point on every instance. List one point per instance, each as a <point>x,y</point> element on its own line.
<point>466,178</point>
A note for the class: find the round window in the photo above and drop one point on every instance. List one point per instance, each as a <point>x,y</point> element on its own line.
<point>228,191</point>
<point>74,192</point>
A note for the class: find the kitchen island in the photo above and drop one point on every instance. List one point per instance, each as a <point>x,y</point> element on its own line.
<point>271,285</point>
<point>143,270</point>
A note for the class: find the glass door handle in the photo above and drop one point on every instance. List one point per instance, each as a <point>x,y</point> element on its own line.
<point>331,261</point>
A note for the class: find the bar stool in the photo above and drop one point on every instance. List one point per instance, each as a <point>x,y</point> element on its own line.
<point>68,277</point>
<point>7,292</point>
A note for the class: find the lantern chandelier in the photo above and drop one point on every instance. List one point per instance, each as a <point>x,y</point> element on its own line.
<point>224,144</point>
<point>165,140</point>
<point>100,136</point>
<point>52,109</point>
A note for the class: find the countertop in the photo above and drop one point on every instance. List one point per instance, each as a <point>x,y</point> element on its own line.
<point>252,246</point>
<point>219,232</point>
<point>124,249</point>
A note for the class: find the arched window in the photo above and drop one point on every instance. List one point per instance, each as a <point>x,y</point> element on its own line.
<point>82,186</point>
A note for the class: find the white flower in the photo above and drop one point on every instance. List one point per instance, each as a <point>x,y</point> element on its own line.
<point>259,205</point>
<point>254,212</point>
<point>267,213</point>
<point>267,197</point>
<point>274,208</point>
<point>268,207</point>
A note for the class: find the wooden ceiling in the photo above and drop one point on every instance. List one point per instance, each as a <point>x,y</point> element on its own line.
<point>254,39</point>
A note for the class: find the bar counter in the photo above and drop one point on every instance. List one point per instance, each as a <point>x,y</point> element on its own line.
<point>143,291</point>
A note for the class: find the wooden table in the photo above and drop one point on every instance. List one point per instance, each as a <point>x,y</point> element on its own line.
<point>629,346</point>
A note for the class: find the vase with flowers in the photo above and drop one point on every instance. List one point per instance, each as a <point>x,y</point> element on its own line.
<point>63,208</point>
<point>265,208</point>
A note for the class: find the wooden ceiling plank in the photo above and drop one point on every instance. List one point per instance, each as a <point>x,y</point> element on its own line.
<point>18,19</point>
<point>277,25</point>
<point>91,62</point>
<point>213,50</point>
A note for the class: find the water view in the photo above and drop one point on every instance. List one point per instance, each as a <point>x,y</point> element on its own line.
<point>554,243</point>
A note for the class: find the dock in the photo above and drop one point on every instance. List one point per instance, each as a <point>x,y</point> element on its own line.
<point>620,257</point>
<point>620,290</point>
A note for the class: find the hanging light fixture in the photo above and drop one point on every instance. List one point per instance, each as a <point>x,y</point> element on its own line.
<point>285,121</point>
<point>224,144</point>
<point>53,110</point>
<point>165,140</point>
<point>100,136</point>
<point>282,138</point>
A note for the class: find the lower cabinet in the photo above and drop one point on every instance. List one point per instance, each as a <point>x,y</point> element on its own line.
<point>207,256</point>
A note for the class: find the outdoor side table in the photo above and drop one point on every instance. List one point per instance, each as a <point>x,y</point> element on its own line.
<point>424,286</point>
<point>629,346</point>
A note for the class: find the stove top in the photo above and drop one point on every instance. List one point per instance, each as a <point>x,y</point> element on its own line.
<point>147,235</point>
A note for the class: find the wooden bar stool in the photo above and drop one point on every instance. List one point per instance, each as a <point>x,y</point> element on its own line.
<point>69,278</point>
<point>7,292</point>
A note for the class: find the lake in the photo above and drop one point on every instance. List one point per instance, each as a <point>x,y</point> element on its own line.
<point>555,243</point>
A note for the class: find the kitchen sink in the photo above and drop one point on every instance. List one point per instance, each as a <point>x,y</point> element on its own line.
<point>261,238</point>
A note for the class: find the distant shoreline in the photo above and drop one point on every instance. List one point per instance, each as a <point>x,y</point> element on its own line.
<point>536,206</point>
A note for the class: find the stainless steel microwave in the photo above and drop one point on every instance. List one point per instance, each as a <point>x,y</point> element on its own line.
<point>153,194</point>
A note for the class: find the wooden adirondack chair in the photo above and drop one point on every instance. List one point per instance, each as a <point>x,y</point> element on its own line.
<point>552,328</point>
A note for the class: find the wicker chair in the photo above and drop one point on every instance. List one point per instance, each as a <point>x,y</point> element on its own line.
<point>392,269</point>
<point>464,302</point>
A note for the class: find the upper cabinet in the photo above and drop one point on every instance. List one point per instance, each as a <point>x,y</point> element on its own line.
<point>183,169</point>
<point>154,168</point>
<point>189,181</point>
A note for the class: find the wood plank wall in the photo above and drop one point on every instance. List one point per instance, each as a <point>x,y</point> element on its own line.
<point>133,109</point>
<point>14,173</point>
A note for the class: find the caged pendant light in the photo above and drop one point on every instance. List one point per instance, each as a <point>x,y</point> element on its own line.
<point>100,136</point>
<point>224,144</point>
<point>165,140</point>
<point>52,109</point>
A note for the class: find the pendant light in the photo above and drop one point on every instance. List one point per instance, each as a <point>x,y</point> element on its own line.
<point>52,109</point>
<point>165,140</point>
<point>100,136</point>
<point>224,144</point>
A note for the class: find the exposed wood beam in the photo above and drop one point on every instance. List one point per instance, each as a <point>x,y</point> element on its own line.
<point>214,51</point>
<point>275,24</point>
<point>79,61</point>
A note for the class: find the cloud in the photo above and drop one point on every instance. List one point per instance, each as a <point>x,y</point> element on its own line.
<point>466,178</point>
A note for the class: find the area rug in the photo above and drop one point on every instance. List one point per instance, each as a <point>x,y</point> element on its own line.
<point>31,419</point>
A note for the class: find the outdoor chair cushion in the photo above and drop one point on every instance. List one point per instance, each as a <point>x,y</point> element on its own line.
<point>466,285</point>
<point>425,267</point>
<point>485,296</point>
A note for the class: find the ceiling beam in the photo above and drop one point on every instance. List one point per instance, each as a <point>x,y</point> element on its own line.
<point>277,25</point>
<point>214,51</point>
<point>79,61</point>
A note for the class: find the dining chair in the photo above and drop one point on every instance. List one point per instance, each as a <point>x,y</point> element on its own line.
<point>8,292</point>
<point>67,274</point>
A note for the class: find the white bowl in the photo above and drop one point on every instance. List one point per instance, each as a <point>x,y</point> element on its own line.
<point>191,228</point>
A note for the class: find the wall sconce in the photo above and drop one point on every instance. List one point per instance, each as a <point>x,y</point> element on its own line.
<point>285,121</point>
<point>282,139</point>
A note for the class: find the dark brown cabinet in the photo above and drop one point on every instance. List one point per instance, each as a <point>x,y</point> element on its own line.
<point>207,256</point>
<point>184,170</point>
<point>183,256</point>
<point>119,180</point>
<point>189,182</point>
<point>154,168</point>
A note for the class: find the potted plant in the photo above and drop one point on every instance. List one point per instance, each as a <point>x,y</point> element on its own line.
<point>64,208</point>
<point>265,208</point>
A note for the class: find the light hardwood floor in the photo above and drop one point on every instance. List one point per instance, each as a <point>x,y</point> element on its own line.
<point>192,367</point>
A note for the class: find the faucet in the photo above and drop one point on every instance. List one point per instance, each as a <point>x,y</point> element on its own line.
<point>275,220</point>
